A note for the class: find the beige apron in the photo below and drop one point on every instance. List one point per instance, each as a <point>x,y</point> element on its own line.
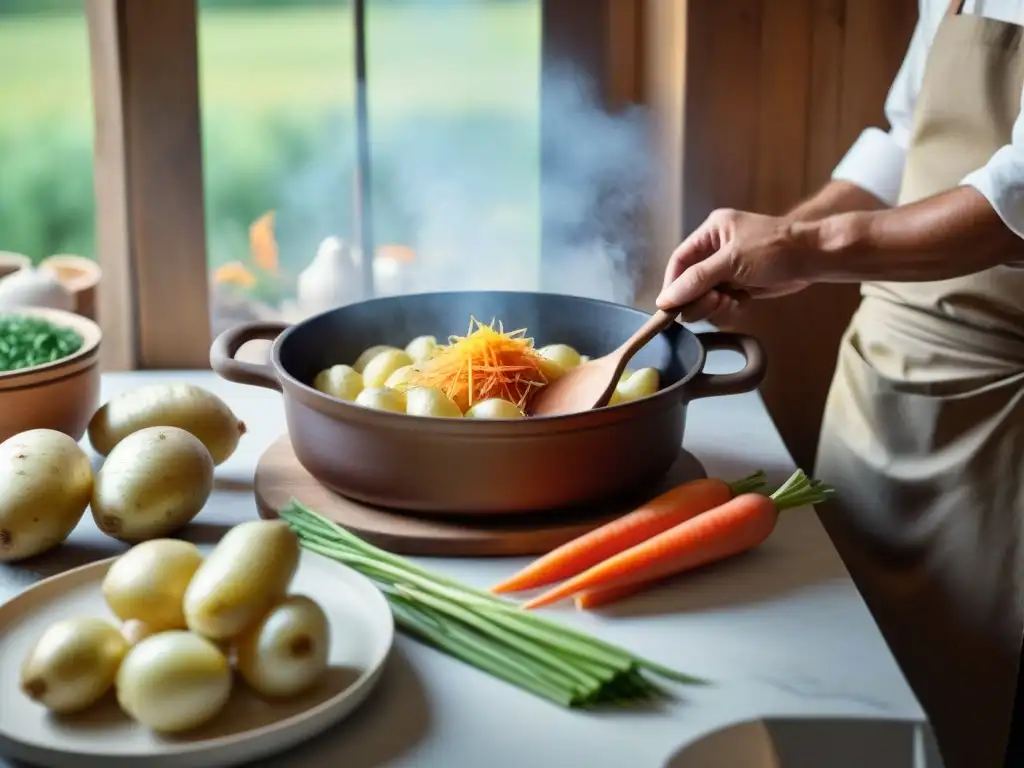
<point>923,432</point>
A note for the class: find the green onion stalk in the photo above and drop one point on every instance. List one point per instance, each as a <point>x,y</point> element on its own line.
<point>566,666</point>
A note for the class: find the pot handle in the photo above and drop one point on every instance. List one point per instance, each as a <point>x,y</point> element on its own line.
<point>227,344</point>
<point>747,379</point>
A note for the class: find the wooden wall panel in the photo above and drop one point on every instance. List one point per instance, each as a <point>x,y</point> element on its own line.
<point>775,93</point>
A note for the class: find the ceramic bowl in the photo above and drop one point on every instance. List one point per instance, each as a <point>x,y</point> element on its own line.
<point>62,395</point>
<point>80,277</point>
<point>13,262</point>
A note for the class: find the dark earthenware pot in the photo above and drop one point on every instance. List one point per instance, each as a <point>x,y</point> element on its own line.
<point>451,466</point>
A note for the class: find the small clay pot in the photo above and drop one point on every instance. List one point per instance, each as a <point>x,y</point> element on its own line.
<point>62,395</point>
<point>13,262</point>
<point>80,277</point>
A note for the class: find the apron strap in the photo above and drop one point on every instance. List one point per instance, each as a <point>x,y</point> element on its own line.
<point>955,8</point>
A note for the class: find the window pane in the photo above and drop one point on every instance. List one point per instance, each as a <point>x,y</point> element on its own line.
<point>276,87</point>
<point>454,125</point>
<point>46,128</point>
<point>454,100</point>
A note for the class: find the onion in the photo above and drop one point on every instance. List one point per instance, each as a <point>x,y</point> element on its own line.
<point>285,653</point>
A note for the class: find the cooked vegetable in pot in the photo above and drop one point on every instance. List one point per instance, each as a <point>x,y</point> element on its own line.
<point>487,374</point>
<point>29,341</point>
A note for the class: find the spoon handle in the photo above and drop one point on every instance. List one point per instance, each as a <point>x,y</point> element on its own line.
<point>658,322</point>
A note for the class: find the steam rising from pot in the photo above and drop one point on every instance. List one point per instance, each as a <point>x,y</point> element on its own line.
<point>468,195</point>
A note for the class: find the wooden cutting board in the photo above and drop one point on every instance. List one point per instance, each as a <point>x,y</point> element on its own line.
<point>280,477</point>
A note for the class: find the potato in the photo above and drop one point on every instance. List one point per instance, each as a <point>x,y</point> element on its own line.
<point>382,399</point>
<point>148,582</point>
<point>495,408</point>
<point>361,362</point>
<point>46,482</point>
<point>633,386</point>
<point>401,378</point>
<point>422,348</point>
<point>428,401</point>
<point>340,381</point>
<point>185,406</point>
<point>73,664</point>
<point>174,682</point>
<point>564,356</point>
<point>153,482</point>
<point>382,366</point>
<point>247,573</point>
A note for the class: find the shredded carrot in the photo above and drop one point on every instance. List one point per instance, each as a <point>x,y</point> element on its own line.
<point>487,363</point>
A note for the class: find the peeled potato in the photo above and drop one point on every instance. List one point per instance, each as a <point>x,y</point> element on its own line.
<point>248,571</point>
<point>383,365</point>
<point>422,348</point>
<point>174,681</point>
<point>495,408</point>
<point>564,356</point>
<point>401,378</point>
<point>135,631</point>
<point>361,362</point>
<point>642,383</point>
<point>382,399</point>
<point>73,664</point>
<point>185,406</point>
<point>45,485</point>
<point>148,582</point>
<point>153,482</point>
<point>341,381</point>
<point>428,401</point>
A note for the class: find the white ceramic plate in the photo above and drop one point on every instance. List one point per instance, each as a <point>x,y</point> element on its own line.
<point>362,632</point>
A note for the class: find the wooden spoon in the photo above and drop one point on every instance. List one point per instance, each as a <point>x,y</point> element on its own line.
<point>592,384</point>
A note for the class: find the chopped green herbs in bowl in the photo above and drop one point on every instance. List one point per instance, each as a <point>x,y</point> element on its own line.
<point>49,371</point>
<point>27,341</point>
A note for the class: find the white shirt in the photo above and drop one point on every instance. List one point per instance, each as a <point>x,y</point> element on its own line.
<point>875,161</point>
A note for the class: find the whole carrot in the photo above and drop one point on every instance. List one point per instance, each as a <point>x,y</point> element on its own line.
<point>657,515</point>
<point>736,526</point>
<point>595,598</point>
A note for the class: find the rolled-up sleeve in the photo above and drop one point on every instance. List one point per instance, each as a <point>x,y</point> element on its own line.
<point>1001,181</point>
<point>876,159</point>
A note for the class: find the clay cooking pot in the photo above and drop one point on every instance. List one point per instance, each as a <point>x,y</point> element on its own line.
<point>455,466</point>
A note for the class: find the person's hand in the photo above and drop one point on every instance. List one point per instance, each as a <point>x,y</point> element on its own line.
<point>731,255</point>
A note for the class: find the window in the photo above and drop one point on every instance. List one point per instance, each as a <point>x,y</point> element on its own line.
<point>454,105</point>
<point>46,129</point>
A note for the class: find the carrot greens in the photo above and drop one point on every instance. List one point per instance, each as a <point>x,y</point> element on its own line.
<point>553,661</point>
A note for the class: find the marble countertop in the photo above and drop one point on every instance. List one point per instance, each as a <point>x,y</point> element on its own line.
<point>781,632</point>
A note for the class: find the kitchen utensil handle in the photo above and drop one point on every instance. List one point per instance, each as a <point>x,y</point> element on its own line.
<point>226,346</point>
<point>747,379</point>
<point>657,323</point>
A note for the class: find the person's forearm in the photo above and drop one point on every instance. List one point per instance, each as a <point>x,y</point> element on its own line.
<point>949,235</point>
<point>834,198</point>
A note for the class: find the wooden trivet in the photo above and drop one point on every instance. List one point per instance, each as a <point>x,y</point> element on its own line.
<point>280,478</point>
